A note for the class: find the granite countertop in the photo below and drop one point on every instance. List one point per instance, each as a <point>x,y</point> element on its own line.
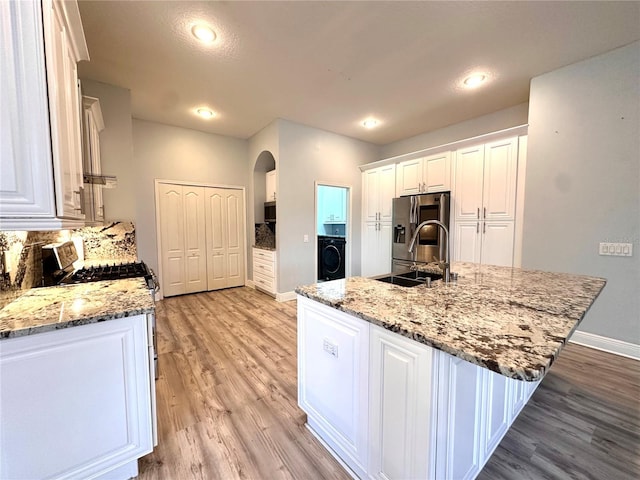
<point>265,247</point>
<point>52,308</point>
<point>511,321</point>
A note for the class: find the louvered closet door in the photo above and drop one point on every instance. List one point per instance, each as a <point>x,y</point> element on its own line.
<point>225,238</point>
<point>195,240</point>
<point>172,239</point>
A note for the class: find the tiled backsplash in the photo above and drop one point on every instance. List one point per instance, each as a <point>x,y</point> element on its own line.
<point>265,236</point>
<point>21,252</point>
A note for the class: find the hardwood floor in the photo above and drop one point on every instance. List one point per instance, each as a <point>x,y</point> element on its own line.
<point>227,403</point>
<point>583,422</point>
<point>227,392</point>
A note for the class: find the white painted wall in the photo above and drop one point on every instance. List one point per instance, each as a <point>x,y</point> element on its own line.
<point>174,153</point>
<point>116,148</point>
<point>307,155</point>
<point>583,182</point>
<point>493,122</point>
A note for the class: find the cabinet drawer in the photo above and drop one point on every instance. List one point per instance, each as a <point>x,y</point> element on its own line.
<point>265,268</point>
<point>263,255</point>
<point>264,282</point>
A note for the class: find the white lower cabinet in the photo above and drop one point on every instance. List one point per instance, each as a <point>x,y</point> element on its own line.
<point>333,365</point>
<point>459,419</point>
<point>376,248</point>
<point>392,408</point>
<point>264,270</point>
<point>76,402</point>
<point>496,410</point>
<point>401,413</point>
<point>486,242</point>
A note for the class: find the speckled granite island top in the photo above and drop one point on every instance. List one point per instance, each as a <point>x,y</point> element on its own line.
<point>53,308</point>
<point>511,321</point>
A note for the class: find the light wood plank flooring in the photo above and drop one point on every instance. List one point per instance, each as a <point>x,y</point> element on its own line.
<point>227,403</point>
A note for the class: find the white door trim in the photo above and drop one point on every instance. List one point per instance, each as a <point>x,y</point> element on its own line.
<point>157,182</point>
<point>348,226</point>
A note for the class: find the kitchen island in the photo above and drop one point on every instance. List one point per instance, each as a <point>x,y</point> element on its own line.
<point>77,393</point>
<point>424,382</point>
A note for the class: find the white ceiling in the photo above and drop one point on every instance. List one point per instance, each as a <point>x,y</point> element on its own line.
<point>331,64</point>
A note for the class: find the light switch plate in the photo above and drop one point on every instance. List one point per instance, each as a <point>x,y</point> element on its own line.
<point>616,249</point>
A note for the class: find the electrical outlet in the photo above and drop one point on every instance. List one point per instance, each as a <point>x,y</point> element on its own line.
<point>330,347</point>
<point>616,249</point>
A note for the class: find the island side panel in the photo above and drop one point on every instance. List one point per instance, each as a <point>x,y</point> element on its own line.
<point>333,379</point>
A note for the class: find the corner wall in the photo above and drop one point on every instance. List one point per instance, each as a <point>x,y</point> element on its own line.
<point>583,182</point>
<point>307,155</point>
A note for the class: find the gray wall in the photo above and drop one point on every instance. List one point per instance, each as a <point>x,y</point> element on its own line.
<point>173,153</point>
<point>583,182</point>
<point>307,155</point>
<point>116,148</point>
<point>493,122</point>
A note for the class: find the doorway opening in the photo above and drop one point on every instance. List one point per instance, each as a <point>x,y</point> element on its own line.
<point>333,231</point>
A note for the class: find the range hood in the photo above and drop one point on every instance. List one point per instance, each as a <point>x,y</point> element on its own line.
<point>106,181</point>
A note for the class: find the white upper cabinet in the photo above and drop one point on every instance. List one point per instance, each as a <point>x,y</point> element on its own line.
<point>41,152</point>
<point>378,192</point>
<point>500,170</point>
<point>485,186</point>
<point>333,204</point>
<point>468,184</point>
<point>271,186</point>
<point>424,175</point>
<point>409,177</point>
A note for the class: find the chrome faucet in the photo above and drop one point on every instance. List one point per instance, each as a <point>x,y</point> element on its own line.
<point>444,266</point>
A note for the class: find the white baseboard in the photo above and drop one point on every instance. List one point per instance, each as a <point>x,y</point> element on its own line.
<point>606,344</point>
<point>285,297</point>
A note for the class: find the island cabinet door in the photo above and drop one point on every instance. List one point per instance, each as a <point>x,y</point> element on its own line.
<point>76,403</point>
<point>460,393</point>
<point>401,408</point>
<point>496,410</point>
<point>333,379</point>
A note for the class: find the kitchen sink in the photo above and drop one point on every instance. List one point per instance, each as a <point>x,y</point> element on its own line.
<point>403,282</point>
<point>421,276</point>
<point>410,279</point>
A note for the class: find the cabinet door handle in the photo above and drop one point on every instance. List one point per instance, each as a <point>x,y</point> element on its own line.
<point>477,227</point>
<point>484,227</point>
<point>478,214</point>
<point>484,213</point>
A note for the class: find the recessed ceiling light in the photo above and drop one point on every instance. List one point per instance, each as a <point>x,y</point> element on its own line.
<point>203,33</point>
<point>205,113</point>
<point>475,80</point>
<point>370,123</point>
